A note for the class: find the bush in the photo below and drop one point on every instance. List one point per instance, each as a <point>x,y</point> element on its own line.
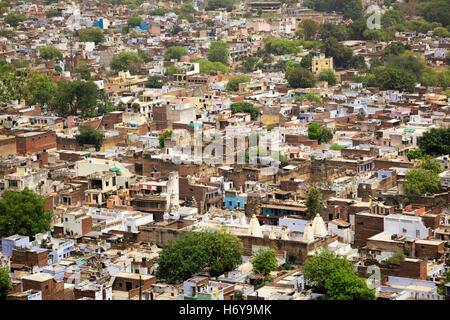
<point>233,83</point>
<point>88,135</point>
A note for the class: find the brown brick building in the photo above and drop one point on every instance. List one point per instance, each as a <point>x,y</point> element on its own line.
<point>51,289</point>
<point>35,141</point>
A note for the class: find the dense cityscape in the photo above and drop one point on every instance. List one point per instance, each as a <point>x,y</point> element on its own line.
<point>224,150</point>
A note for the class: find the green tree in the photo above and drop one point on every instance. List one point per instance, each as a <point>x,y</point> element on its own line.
<point>74,97</point>
<point>224,250</point>
<point>325,134</point>
<point>23,213</point>
<point>5,283</point>
<point>393,78</point>
<point>92,35</point>
<point>192,252</point>
<point>104,104</point>
<point>328,76</point>
<point>331,30</point>
<point>420,181</point>
<point>245,107</point>
<point>280,46</point>
<point>15,19</point>
<point>431,164</point>
<point>319,268</point>
<point>342,56</point>
<point>313,203</point>
<point>299,77</point>
<point>265,261</point>
<point>311,28</point>
<point>408,61</point>
<point>397,258</point>
<point>146,57</point>
<point>435,142</point>
<point>51,13</point>
<point>217,4</point>
<point>441,288</point>
<point>396,48</point>
<point>88,135</point>
<point>50,53</point>
<point>207,66</point>
<point>441,32</point>
<point>165,134</point>
<point>233,83</point>
<point>83,71</point>
<point>40,88</point>
<point>123,61</point>
<point>306,61</point>
<point>134,21</point>
<point>218,52</point>
<point>174,52</point>
<point>343,285</point>
<point>249,64</point>
<point>154,82</point>
<point>172,69</point>
<point>414,154</point>
<point>176,29</point>
<point>314,131</point>
<point>180,260</point>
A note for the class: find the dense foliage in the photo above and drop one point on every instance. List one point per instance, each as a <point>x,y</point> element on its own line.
<point>23,213</point>
<point>265,261</point>
<point>245,107</point>
<point>313,203</point>
<point>126,61</point>
<point>233,83</point>
<point>5,283</point>
<point>218,52</point>
<point>192,252</point>
<point>88,135</point>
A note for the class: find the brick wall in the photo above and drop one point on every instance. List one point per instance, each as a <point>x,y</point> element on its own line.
<point>366,227</point>
<point>29,258</point>
<point>36,143</point>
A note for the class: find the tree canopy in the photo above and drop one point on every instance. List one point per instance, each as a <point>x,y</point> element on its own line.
<point>245,107</point>
<point>233,83</point>
<point>88,135</point>
<point>299,77</point>
<point>174,52</point>
<point>279,46</point>
<point>265,261</point>
<point>435,141</point>
<point>420,181</point>
<point>329,76</point>
<point>50,53</point>
<point>342,285</point>
<point>92,35</point>
<point>313,202</point>
<point>334,275</point>
<point>74,97</point>
<point>126,61</point>
<point>218,52</point>
<point>154,82</point>
<point>23,213</point>
<point>5,283</point>
<point>192,252</point>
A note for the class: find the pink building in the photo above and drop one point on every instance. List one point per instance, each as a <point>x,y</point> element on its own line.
<point>260,25</point>
<point>400,113</point>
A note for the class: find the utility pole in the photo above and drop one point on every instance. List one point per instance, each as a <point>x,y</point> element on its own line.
<point>140,287</point>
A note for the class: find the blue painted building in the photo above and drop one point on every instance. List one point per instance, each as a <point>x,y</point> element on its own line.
<point>234,199</point>
<point>10,242</point>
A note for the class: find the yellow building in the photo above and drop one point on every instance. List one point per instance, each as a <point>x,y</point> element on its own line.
<point>321,63</point>
<point>125,82</point>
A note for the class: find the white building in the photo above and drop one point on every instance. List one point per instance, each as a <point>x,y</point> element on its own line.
<point>408,226</point>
